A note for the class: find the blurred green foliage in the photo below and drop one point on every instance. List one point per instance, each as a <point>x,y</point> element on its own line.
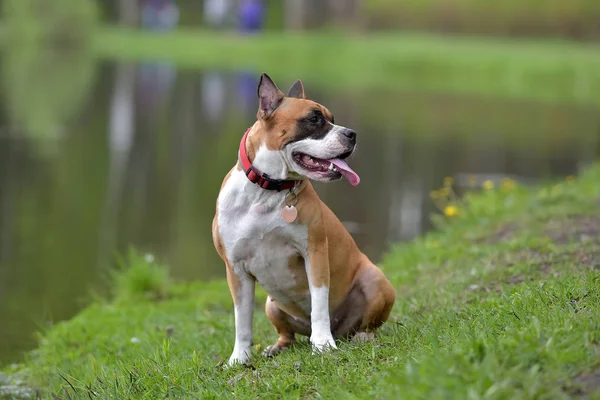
<point>66,23</point>
<point>572,18</point>
<point>139,277</point>
<point>47,62</point>
<point>43,89</point>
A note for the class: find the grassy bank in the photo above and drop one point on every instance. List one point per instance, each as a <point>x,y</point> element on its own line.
<point>500,302</point>
<point>542,70</point>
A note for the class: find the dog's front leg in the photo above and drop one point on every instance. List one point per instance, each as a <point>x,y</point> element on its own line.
<point>241,286</point>
<point>317,270</point>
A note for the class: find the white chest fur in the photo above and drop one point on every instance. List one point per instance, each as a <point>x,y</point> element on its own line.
<point>257,240</point>
<point>260,243</point>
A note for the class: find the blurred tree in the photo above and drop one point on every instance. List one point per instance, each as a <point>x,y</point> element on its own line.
<point>67,23</point>
<point>43,89</point>
<point>128,12</point>
<point>307,14</point>
<point>304,14</point>
<point>346,13</point>
<point>47,63</point>
<point>573,18</point>
<point>295,14</point>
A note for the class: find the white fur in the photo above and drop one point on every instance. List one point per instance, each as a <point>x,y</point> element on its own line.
<point>259,243</point>
<point>271,162</point>
<point>326,148</point>
<point>320,336</point>
<point>244,312</point>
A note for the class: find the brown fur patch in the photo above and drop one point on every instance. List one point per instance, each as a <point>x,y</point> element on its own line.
<point>280,127</point>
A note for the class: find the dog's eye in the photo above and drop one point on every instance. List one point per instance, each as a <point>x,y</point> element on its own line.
<point>315,119</point>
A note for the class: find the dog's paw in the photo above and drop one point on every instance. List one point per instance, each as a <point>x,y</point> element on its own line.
<point>363,337</point>
<point>239,357</point>
<point>273,350</point>
<point>322,343</point>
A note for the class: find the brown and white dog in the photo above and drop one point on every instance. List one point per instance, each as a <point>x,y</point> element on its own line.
<point>319,283</point>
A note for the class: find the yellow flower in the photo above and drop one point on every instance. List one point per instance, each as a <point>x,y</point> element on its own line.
<point>448,181</point>
<point>434,194</point>
<point>444,192</point>
<point>488,184</point>
<point>508,184</point>
<point>450,211</point>
<point>570,178</point>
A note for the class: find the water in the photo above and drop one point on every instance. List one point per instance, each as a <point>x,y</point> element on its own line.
<point>119,155</point>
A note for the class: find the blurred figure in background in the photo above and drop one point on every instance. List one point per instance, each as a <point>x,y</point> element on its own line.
<point>216,12</point>
<point>156,78</point>
<point>246,83</point>
<point>251,16</point>
<point>159,15</point>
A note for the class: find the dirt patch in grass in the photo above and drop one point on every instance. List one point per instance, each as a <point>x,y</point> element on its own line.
<point>574,229</point>
<point>580,229</point>
<point>560,231</point>
<point>540,264</point>
<point>586,384</point>
<point>590,259</point>
<point>546,264</point>
<point>504,233</point>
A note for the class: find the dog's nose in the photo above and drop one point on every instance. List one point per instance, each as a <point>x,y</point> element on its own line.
<point>350,134</point>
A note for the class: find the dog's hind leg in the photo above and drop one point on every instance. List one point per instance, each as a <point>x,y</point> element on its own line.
<point>380,298</point>
<point>366,307</point>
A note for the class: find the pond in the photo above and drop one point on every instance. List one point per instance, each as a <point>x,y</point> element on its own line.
<point>107,156</point>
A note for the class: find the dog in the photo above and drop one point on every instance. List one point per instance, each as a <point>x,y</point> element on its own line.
<point>271,228</point>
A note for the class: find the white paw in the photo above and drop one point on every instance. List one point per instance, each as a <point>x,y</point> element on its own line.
<point>322,343</point>
<point>239,357</point>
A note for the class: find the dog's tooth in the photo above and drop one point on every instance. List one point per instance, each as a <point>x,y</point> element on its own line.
<point>331,166</point>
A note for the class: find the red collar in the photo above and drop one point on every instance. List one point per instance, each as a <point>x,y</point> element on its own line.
<point>257,177</point>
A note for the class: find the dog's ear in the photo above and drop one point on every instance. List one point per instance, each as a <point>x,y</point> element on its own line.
<point>269,96</point>
<point>297,90</point>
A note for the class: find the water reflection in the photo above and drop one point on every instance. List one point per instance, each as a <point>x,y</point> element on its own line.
<point>44,89</point>
<point>144,148</point>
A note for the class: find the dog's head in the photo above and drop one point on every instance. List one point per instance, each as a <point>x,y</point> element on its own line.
<point>301,136</point>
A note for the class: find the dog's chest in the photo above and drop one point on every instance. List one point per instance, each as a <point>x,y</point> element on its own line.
<point>256,238</point>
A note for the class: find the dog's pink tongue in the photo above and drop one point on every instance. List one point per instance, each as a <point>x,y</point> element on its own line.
<point>352,176</point>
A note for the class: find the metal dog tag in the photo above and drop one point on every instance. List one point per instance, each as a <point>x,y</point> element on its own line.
<point>289,214</point>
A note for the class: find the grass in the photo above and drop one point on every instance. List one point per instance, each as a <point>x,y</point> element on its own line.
<point>550,70</point>
<point>500,302</point>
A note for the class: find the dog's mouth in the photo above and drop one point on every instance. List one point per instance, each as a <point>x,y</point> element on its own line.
<point>333,168</point>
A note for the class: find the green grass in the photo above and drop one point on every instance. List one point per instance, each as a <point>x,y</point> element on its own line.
<point>547,70</point>
<point>500,302</point>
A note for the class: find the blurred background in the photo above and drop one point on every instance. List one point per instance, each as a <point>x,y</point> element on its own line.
<point>119,119</point>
